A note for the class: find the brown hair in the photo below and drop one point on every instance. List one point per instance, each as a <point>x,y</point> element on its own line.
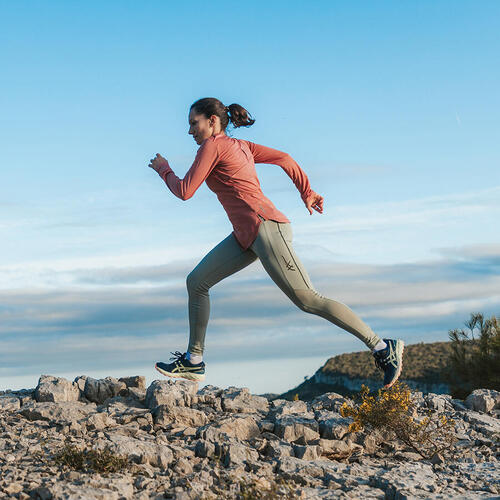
<point>235,113</point>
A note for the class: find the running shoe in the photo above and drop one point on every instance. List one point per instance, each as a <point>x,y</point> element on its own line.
<point>390,361</point>
<point>182,368</point>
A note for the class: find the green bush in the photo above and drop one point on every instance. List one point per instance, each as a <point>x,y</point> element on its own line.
<point>475,356</point>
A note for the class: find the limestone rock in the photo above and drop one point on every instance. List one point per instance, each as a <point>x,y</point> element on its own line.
<point>138,382</point>
<point>282,407</point>
<point>292,427</point>
<point>56,389</point>
<point>236,399</point>
<point>9,403</point>
<point>330,401</point>
<point>99,390</point>
<point>140,451</point>
<point>239,427</point>
<point>164,415</point>
<point>278,449</point>
<point>171,392</point>
<point>331,425</point>
<point>63,413</point>
<point>484,400</point>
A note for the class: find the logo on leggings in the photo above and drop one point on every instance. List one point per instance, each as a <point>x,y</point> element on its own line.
<point>289,265</point>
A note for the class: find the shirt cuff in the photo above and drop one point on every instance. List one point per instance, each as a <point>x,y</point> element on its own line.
<point>164,170</point>
<point>306,195</point>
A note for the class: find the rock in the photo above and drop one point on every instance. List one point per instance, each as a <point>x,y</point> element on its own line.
<point>236,399</point>
<point>282,407</point>
<point>332,426</point>
<point>99,390</point>
<point>56,389</point>
<point>13,488</point>
<point>330,401</point>
<point>239,427</point>
<point>164,415</point>
<point>437,459</point>
<point>337,449</point>
<point>405,480</point>
<point>266,425</point>
<point>306,452</point>
<point>293,427</point>
<point>210,395</point>
<point>204,449</point>
<point>438,402</point>
<point>9,403</point>
<point>61,413</point>
<point>294,467</point>
<point>140,451</point>
<point>82,491</point>
<point>278,449</point>
<point>183,467</point>
<point>137,393</point>
<point>489,426</point>
<point>138,382</point>
<point>369,441</point>
<point>99,421</point>
<point>484,400</point>
<point>190,444</point>
<point>237,453</point>
<point>40,493</point>
<point>171,392</point>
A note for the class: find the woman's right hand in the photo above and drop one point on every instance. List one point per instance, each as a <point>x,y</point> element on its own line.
<point>314,200</point>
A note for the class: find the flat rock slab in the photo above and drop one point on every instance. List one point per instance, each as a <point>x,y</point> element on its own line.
<point>61,413</point>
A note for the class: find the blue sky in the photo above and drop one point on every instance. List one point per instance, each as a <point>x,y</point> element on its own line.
<point>391,109</point>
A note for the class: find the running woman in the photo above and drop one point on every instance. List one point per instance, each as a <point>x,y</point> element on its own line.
<point>227,165</point>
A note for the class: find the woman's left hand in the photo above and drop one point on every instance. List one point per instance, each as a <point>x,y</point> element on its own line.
<point>314,200</point>
<point>158,162</point>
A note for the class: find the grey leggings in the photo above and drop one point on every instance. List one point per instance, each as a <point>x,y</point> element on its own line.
<point>273,246</point>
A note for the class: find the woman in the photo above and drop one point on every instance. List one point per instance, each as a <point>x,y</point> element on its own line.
<point>227,165</point>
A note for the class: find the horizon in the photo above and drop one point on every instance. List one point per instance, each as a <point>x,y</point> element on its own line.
<point>390,109</point>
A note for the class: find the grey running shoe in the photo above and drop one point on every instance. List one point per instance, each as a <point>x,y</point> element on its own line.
<point>182,368</point>
<point>390,361</point>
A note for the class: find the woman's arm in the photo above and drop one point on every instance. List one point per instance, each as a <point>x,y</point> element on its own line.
<point>263,154</point>
<point>206,159</point>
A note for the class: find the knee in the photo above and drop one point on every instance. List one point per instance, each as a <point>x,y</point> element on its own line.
<point>306,300</point>
<point>191,281</point>
<point>194,283</point>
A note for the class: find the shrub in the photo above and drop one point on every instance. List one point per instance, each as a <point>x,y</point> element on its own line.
<point>475,356</point>
<point>86,460</point>
<point>394,411</point>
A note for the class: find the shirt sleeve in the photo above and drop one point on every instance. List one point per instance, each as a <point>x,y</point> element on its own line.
<point>263,154</point>
<point>206,159</point>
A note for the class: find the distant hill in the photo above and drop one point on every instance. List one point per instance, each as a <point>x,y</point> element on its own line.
<point>424,368</point>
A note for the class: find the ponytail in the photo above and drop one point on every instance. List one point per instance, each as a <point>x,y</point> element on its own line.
<point>233,113</point>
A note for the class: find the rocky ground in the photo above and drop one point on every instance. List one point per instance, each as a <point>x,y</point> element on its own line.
<point>185,443</point>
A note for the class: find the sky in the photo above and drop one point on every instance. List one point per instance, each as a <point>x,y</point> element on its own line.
<point>390,108</point>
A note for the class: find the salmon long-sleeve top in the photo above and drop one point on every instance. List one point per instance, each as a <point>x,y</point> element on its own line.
<point>227,165</point>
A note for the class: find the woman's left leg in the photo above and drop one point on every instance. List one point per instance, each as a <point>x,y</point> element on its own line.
<point>273,246</point>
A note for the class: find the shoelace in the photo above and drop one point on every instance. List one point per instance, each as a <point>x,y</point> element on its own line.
<point>177,356</point>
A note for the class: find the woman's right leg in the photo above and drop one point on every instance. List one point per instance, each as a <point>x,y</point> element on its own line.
<point>223,260</point>
<point>274,248</point>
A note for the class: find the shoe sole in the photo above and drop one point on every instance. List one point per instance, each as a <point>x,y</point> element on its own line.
<point>400,347</point>
<point>197,377</point>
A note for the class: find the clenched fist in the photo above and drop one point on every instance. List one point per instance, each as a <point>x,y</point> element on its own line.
<point>158,162</point>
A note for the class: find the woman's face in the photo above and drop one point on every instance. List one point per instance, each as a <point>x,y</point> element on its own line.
<point>201,128</point>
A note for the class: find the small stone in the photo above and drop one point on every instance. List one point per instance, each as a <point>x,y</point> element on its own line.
<point>40,493</point>
<point>13,488</point>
